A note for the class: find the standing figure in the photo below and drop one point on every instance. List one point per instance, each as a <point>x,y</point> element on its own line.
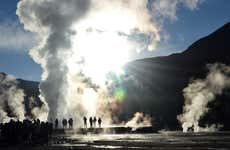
<point>70,121</point>
<point>91,122</point>
<point>99,122</point>
<point>85,121</point>
<point>56,123</point>
<point>64,123</point>
<point>94,122</point>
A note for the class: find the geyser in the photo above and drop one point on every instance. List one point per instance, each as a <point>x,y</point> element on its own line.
<point>199,93</point>
<point>12,97</point>
<point>12,102</point>
<point>80,41</point>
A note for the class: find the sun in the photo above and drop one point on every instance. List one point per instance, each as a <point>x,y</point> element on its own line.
<point>101,52</point>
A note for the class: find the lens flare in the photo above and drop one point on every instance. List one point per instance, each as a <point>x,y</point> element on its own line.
<point>119,94</point>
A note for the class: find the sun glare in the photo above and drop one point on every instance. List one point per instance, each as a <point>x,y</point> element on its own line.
<point>100,53</point>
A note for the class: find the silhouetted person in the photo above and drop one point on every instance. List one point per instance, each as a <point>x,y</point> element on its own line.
<point>26,132</point>
<point>56,123</point>
<point>70,121</point>
<point>85,121</point>
<point>91,122</point>
<point>38,120</point>
<point>64,123</point>
<point>94,122</point>
<point>99,122</point>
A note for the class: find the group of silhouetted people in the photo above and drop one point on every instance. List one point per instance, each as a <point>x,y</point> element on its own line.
<point>37,132</point>
<point>26,132</point>
<point>64,123</point>
<point>92,122</point>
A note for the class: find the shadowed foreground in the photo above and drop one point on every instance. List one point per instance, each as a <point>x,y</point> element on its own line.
<point>163,140</point>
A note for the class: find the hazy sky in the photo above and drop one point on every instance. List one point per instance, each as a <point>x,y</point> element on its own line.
<point>179,33</point>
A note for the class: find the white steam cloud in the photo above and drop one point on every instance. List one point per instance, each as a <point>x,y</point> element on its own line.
<point>52,21</point>
<point>12,102</point>
<point>11,99</point>
<point>81,41</point>
<point>39,112</point>
<point>139,120</point>
<point>199,93</point>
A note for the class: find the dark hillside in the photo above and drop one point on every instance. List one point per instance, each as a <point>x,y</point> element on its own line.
<point>162,79</point>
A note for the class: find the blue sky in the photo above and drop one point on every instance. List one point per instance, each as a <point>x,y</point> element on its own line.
<point>189,26</point>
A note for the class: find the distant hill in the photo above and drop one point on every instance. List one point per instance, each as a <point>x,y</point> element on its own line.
<point>162,79</point>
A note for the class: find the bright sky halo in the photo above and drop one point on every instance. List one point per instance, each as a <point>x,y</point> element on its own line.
<point>99,53</point>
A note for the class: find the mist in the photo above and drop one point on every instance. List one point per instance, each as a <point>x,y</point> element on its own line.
<point>11,103</point>
<point>199,93</point>
<point>139,120</point>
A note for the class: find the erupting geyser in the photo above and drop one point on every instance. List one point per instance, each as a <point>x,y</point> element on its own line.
<point>199,93</point>
<point>11,104</point>
<point>80,41</point>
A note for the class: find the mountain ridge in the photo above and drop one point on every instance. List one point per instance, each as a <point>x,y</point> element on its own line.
<point>163,79</point>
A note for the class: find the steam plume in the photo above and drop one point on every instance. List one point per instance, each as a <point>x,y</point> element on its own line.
<point>200,92</point>
<point>81,41</point>
<point>52,20</point>
<point>11,99</point>
<point>12,102</point>
<point>139,120</point>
